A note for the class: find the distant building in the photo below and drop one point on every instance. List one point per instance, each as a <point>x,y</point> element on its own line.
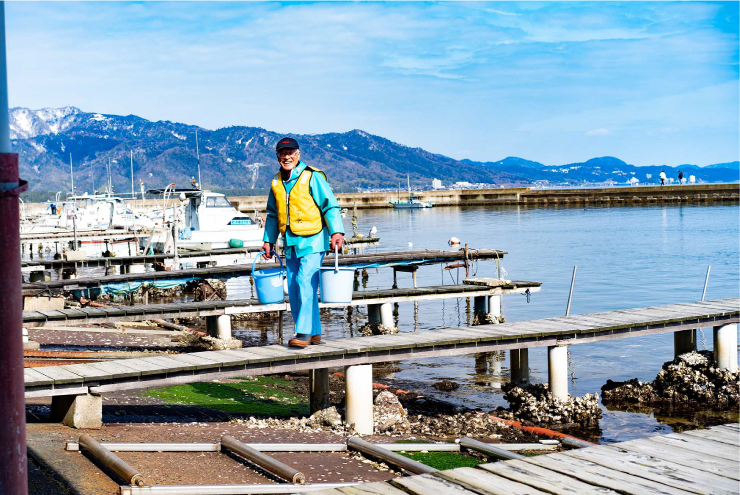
<point>634,181</point>
<point>436,184</point>
<point>463,184</point>
<point>692,179</point>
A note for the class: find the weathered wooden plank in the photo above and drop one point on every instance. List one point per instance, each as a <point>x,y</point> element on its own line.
<point>199,362</point>
<point>35,379</point>
<point>168,365</point>
<point>543,479</point>
<point>699,445</point>
<point>53,314</point>
<point>117,369</point>
<point>90,373</point>
<point>659,470</point>
<point>710,464</point>
<point>143,366</point>
<point>480,479</point>
<point>428,484</point>
<point>60,375</point>
<point>377,488</point>
<point>730,438</point>
<point>596,474</point>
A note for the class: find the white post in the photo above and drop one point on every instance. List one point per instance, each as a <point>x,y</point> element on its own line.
<point>683,342</point>
<point>494,308</point>
<point>137,268</point>
<point>519,364</point>
<point>359,397</point>
<point>380,314</point>
<point>725,347</point>
<point>219,326</point>
<point>557,371</point>
<point>318,388</point>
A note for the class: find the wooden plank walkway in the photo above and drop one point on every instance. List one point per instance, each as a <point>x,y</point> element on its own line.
<point>29,265</point>
<point>170,370</point>
<point>619,468</point>
<point>419,258</point>
<point>241,306</point>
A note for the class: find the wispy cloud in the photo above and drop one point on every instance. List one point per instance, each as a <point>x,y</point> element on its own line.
<point>602,131</point>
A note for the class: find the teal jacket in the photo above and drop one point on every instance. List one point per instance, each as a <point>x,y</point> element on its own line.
<point>327,203</point>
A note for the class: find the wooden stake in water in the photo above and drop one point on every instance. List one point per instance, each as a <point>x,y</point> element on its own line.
<point>570,295</point>
<point>706,282</point>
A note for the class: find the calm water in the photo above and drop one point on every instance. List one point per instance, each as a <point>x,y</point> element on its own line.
<point>627,257</point>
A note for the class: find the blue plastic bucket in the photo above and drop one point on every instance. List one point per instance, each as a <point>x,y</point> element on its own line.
<point>269,283</point>
<point>337,282</point>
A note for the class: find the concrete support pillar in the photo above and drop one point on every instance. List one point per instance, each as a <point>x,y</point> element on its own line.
<point>557,371</point>
<point>480,305</point>
<point>519,363</point>
<point>380,314</point>
<point>318,389</point>
<point>683,342</point>
<point>725,347</point>
<point>219,326</point>
<point>78,411</point>
<point>494,307</point>
<point>359,397</point>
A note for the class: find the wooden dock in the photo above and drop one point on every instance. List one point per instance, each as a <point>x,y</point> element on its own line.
<point>552,332</point>
<point>418,258</point>
<point>142,312</point>
<point>130,260</point>
<point>693,462</point>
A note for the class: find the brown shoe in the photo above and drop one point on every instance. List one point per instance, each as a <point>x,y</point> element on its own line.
<point>297,343</point>
<point>315,340</point>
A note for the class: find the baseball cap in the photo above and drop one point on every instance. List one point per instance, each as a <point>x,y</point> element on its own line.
<point>286,143</point>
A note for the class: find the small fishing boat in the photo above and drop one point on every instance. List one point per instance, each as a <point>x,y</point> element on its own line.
<point>412,202</point>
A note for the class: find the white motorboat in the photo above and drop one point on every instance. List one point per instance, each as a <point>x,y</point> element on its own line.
<point>206,220</point>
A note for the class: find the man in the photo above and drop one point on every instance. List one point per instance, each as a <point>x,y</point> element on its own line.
<point>301,206</point>
<point>680,177</point>
<point>663,177</point>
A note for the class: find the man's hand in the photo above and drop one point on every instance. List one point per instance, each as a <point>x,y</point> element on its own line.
<point>268,249</point>
<point>337,240</point>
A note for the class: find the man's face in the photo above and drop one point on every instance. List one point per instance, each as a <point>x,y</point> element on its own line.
<point>288,158</point>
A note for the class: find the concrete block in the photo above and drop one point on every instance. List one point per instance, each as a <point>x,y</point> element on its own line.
<point>78,255</point>
<point>78,411</point>
<point>42,303</point>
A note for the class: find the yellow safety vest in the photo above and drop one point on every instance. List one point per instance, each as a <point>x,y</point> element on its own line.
<point>297,209</point>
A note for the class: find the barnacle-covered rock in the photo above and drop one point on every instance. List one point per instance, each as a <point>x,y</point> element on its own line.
<point>536,404</point>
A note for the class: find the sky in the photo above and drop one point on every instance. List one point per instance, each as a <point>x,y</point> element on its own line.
<point>556,82</point>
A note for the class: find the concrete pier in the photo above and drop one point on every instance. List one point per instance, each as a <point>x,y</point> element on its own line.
<point>494,308</point>
<point>359,397</point>
<point>557,371</point>
<point>219,326</point>
<point>380,314</point>
<point>683,342</point>
<point>318,389</point>
<point>519,363</point>
<point>725,347</point>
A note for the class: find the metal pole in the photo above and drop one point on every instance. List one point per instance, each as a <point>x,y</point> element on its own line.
<point>570,295</point>
<point>706,282</point>
<point>403,462</point>
<point>197,155</point>
<point>488,449</point>
<point>263,460</point>
<point>13,462</point>
<point>71,173</point>
<point>255,489</point>
<point>133,194</point>
<point>118,465</point>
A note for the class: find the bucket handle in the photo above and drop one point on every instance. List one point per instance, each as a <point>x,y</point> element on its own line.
<point>263,252</point>
<point>336,257</point>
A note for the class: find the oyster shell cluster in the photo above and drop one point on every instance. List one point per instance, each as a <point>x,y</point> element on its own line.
<point>689,378</point>
<point>535,404</point>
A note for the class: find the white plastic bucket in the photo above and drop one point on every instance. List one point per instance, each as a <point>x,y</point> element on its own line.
<point>337,282</point>
<point>269,283</point>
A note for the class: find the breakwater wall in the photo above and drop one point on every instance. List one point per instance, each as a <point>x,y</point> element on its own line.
<point>693,193</point>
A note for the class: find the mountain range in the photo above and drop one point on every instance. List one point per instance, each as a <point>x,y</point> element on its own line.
<point>241,158</point>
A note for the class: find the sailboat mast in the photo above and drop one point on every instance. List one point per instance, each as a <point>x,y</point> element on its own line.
<point>197,155</point>
<point>71,173</point>
<point>133,194</point>
<point>110,180</point>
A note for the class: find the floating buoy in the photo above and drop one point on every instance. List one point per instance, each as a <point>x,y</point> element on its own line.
<point>453,241</point>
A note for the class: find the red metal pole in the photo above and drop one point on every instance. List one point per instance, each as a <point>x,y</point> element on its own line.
<point>13,469</point>
<point>13,462</point>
